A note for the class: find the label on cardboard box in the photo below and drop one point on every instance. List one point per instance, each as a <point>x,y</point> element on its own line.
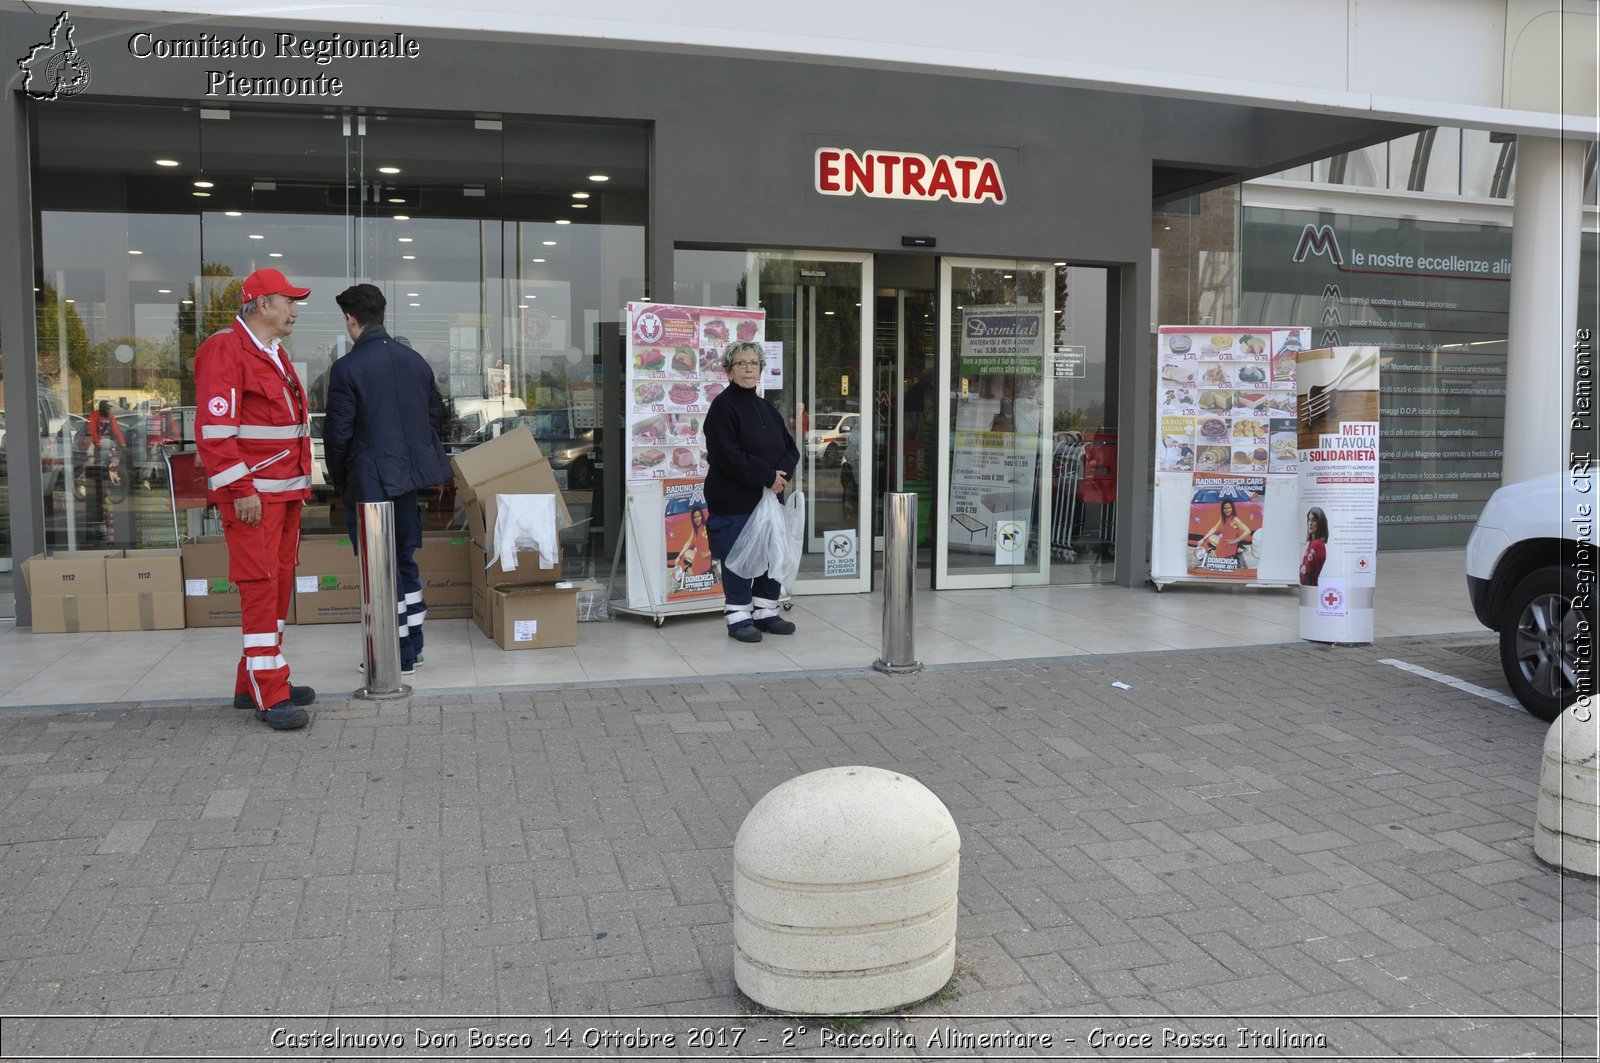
<point>305,584</point>
<point>524,630</point>
<point>196,588</point>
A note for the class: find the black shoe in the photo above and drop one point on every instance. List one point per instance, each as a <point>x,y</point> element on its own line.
<point>745,633</point>
<point>284,716</point>
<point>298,695</point>
<point>776,625</point>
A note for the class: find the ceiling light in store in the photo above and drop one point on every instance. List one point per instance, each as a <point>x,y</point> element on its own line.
<point>234,213</point>
<point>274,254</point>
<point>389,169</point>
<point>131,251</point>
<point>580,195</point>
<point>408,258</point>
<point>522,306</point>
<point>257,236</point>
<point>827,313</point>
<point>579,206</point>
<point>563,221</point>
<point>599,177</point>
<point>397,199</point>
<point>1006,276</point>
<point>201,195</point>
<point>402,217</point>
<point>407,240</point>
<point>1058,263</point>
<point>535,260</point>
<point>413,295</point>
<point>69,300</point>
<point>166,162</point>
<point>549,243</point>
<point>188,302</point>
<point>413,304</point>
<point>204,184</point>
<point>163,291</point>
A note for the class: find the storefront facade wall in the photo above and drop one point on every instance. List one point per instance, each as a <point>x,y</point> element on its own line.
<point>733,145</point>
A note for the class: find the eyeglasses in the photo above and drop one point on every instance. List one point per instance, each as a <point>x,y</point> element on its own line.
<point>745,365</point>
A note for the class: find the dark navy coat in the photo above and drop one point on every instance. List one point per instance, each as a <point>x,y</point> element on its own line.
<point>381,433</point>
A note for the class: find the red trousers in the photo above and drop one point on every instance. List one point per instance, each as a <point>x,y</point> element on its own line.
<point>261,561</point>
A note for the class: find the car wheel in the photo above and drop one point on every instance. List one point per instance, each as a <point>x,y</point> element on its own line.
<point>1539,630</point>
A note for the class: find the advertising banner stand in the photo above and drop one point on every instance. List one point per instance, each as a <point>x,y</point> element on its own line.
<point>1226,456</point>
<point>1337,398</point>
<point>674,371</point>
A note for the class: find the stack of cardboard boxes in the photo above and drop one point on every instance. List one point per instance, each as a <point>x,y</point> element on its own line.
<point>106,590</point>
<point>144,590</point>
<point>528,607</point>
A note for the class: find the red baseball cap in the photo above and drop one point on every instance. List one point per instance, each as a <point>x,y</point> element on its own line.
<point>269,282</point>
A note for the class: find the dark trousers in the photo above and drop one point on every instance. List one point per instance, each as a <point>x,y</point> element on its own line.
<point>408,597</point>
<point>743,600</point>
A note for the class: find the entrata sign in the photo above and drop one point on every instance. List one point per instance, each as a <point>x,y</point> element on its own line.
<point>908,175</point>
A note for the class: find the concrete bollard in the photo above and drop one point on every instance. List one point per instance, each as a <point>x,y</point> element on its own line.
<point>844,894</point>
<point>1567,830</point>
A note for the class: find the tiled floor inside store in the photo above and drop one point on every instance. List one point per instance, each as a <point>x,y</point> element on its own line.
<point>1419,593</point>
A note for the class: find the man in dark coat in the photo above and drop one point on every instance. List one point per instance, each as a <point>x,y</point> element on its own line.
<point>381,441</point>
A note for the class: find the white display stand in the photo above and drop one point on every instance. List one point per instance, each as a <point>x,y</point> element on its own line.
<point>645,537</point>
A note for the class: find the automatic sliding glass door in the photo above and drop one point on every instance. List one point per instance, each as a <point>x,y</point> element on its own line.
<point>994,447</point>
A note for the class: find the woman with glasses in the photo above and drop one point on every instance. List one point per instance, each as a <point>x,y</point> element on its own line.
<point>749,451</point>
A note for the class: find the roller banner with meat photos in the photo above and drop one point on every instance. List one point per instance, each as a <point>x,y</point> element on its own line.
<point>674,371</point>
<point>1225,407</point>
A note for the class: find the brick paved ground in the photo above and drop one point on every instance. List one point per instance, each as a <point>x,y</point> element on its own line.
<point>1280,832</point>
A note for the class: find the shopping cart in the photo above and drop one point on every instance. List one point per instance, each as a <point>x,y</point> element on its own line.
<point>1066,466</point>
<point>186,482</point>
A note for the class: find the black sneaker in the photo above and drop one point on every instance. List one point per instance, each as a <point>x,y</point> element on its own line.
<point>284,716</point>
<point>745,633</point>
<point>299,695</point>
<point>776,625</point>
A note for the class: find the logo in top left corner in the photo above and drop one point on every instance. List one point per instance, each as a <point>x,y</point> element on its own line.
<point>54,69</point>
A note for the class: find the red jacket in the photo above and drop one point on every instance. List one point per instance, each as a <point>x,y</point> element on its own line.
<point>252,420</point>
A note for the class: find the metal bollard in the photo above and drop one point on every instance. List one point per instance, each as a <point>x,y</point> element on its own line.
<point>380,624</point>
<point>899,573</point>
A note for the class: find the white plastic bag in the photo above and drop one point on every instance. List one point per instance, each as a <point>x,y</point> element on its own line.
<point>772,539</point>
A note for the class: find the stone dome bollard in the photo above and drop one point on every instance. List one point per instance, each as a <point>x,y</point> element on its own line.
<point>844,894</point>
<point>1567,831</point>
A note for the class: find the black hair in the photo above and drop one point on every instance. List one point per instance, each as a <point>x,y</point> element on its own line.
<point>364,302</point>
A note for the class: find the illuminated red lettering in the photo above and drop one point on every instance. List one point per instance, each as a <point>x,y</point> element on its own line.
<point>942,181</point>
<point>858,173</point>
<point>966,166</point>
<point>827,171</point>
<point>989,183</point>
<point>888,163</point>
<point>912,173</point>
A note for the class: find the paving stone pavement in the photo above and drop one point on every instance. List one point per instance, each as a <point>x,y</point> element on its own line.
<point>1304,843</point>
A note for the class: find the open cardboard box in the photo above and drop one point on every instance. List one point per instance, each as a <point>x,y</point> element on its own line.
<point>511,464</point>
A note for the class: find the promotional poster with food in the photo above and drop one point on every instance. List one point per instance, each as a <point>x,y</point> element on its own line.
<point>674,371</point>
<point>1225,407</point>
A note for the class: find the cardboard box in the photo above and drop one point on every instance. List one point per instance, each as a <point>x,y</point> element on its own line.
<point>68,590</point>
<point>529,571</point>
<point>509,465</point>
<point>210,598</point>
<point>327,582</point>
<point>535,618</point>
<point>144,591</point>
<point>446,570</point>
<point>482,610</point>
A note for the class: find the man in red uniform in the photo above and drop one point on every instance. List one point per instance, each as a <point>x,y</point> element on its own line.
<point>253,425</point>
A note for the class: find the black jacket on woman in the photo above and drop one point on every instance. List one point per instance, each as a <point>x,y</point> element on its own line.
<point>746,444</point>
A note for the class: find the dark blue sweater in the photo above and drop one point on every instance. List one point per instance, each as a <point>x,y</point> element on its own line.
<point>746,444</point>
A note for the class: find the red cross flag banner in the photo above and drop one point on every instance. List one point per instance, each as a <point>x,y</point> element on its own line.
<point>1337,400</point>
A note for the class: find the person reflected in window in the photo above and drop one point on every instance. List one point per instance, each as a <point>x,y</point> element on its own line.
<point>104,471</point>
<point>1316,554</point>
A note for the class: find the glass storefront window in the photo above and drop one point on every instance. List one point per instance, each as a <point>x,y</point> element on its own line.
<point>506,271</point>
